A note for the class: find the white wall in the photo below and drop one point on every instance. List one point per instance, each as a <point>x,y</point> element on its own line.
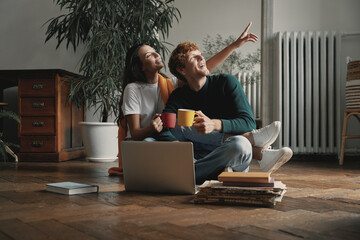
<point>297,15</point>
<point>23,35</point>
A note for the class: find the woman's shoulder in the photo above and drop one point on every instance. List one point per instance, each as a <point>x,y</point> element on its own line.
<point>137,86</point>
<point>133,85</point>
<point>132,89</point>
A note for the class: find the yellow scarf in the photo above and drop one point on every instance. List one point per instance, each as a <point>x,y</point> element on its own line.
<point>166,87</point>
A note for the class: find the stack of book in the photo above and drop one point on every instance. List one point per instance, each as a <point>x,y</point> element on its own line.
<point>240,188</point>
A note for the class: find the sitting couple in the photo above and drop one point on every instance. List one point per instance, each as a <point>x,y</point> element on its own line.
<point>224,132</point>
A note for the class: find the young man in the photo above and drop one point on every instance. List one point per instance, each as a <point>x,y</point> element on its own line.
<point>223,133</point>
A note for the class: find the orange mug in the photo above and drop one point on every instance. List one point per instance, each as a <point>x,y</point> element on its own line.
<point>186,117</point>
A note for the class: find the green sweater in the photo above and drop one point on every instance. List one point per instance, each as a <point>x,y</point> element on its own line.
<point>222,97</point>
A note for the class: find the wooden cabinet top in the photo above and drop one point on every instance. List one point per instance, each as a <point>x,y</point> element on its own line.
<point>9,78</point>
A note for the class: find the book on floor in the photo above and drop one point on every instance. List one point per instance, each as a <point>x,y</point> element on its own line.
<point>71,188</point>
<point>255,177</point>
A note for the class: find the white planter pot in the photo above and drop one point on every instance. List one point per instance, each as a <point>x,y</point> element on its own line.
<point>100,141</point>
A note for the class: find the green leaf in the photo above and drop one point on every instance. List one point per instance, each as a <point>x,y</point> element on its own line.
<point>10,115</point>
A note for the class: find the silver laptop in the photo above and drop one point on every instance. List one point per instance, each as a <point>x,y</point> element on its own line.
<point>164,167</point>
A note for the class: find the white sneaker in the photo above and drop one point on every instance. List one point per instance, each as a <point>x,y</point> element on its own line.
<point>228,169</point>
<point>266,136</point>
<point>273,159</point>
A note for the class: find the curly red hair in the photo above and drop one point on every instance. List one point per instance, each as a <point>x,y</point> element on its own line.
<point>178,58</point>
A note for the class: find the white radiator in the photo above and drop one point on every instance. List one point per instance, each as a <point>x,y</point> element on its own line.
<point>251,85</point>
<point>308,91</point>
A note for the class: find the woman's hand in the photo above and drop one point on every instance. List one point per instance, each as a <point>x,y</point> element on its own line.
<point>156,123</point>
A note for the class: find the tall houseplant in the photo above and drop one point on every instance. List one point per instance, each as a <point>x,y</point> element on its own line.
<point>107,29</point>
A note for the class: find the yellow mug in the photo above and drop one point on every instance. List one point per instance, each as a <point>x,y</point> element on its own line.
<point>186,117</point>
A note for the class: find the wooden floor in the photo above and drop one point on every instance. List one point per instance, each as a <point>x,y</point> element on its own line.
<point>322,202</point>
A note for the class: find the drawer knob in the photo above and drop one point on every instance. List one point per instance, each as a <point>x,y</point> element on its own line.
<point>38,104</point>
<point>38,86</point>
<point>37,144</point>
<point>38,124</point>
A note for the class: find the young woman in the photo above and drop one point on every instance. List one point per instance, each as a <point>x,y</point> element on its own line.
<point>146,90</point>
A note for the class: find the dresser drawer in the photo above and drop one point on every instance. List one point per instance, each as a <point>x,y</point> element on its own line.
<point>37,125</point>
<point>43,87</point>
<point>37,144</point>
<point>37,106</point>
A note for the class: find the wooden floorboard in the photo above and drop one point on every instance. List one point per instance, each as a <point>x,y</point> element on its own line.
<point>264,233</point>
<point>59,230</point>
<point>322,202</point>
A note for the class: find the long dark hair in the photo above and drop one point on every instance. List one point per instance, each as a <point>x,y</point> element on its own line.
<point>132,73</point>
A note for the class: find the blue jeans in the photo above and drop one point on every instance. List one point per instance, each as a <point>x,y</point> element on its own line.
<point>212,154</point>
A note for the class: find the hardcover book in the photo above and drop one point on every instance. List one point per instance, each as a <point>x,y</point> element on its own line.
<point>71,188</point>
<point>259,177</point>
<point>250,184</point>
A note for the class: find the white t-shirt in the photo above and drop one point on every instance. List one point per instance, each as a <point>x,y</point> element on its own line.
<point>144,99</point>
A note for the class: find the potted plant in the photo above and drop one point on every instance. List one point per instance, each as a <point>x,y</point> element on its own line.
<point>107,29</point>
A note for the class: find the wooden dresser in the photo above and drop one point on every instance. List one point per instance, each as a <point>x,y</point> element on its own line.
<point>49,129</point>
